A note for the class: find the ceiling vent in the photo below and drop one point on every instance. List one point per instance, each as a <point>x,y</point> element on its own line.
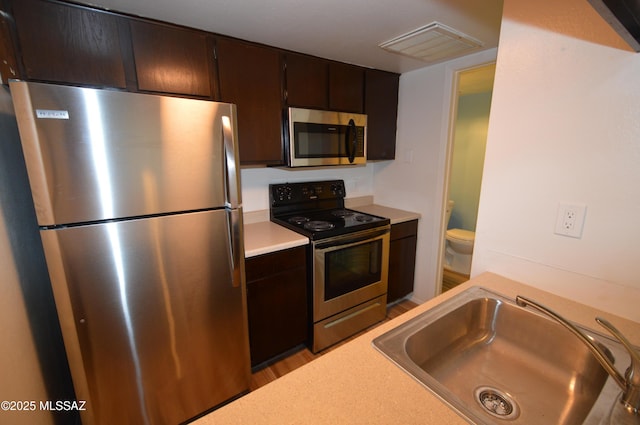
<point>433,43</point>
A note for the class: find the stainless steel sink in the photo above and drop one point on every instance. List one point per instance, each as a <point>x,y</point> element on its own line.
<point>497,363</point>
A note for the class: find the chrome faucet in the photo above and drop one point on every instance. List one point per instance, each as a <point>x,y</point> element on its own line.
<point>626,409</point>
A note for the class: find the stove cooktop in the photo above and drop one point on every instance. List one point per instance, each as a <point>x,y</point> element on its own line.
<point>316,209</point>
<point>329,223</point>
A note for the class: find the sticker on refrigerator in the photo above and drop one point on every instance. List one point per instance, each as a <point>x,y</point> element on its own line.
<point>52,114</point>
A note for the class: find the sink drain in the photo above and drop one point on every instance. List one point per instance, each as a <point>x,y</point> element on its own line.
<point>497,403</point>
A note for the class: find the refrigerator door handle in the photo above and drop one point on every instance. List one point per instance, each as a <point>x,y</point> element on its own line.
<point>232,177</point>
<point>235,245</point>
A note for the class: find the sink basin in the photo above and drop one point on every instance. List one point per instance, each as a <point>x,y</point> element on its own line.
<point>497,363</point>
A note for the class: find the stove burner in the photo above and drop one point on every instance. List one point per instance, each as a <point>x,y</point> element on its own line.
<point>342,213</point>
<point>364,218</point>
<point>298,220</point>
<point>318,225</point>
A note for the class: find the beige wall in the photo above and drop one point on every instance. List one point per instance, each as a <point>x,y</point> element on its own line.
<point>564,127</point>
<point>415,181</point>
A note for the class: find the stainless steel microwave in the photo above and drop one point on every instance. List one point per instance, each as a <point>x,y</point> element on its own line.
<point>318,137</point>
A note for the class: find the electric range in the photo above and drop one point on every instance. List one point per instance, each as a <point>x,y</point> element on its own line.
<point>348,257</point>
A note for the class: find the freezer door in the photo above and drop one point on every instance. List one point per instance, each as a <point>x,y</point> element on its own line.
<point>99,154</point>
<point>154,327</point>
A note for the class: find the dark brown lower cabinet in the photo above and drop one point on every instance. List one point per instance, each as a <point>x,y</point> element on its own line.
<point>402,259</point>
<point>277,302</point>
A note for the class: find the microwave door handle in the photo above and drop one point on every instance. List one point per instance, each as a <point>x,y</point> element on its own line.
<point>351,140</point>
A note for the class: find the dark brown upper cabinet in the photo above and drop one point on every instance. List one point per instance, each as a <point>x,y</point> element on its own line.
<point>323,84</point>
<point>307,81</point>
<point>381,107</point>
<point>8,57</point>
<point>56,41</point>
<point>71,44</point>
<point>250,76</point>
<point>346,87</point>
<point>172,59</point>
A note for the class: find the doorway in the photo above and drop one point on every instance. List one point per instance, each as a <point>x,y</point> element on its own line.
<point>467,144</point>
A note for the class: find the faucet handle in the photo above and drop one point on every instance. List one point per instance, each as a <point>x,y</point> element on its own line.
<point>633,372</point>
<point>631,398</point>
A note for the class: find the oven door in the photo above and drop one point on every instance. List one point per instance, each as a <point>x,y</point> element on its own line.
<point>349,270</point>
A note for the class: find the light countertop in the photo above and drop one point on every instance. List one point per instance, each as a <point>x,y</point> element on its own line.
<point>262,236</point>
<point>355,384</point>
<point>395,215</point>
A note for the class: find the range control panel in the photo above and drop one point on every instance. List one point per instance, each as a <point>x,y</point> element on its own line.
<point>291,193</point>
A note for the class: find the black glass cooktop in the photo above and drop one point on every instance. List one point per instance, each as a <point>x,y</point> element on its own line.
<point>316,209</point>
<point>328,223</point>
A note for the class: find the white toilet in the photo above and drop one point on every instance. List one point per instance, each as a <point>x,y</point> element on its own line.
<point>458,247</point>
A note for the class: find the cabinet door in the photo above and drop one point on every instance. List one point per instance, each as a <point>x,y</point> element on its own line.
<point>9,63</point>
<point>402,259</point>
<point>276,302</point>
<point>170,59</point>
<point>68,43</point>
<point>346,87</point>
<point>250,77</point>
<point>307,81</point>
<point>381,107</point>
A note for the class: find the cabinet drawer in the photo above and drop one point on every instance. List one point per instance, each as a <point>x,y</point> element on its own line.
<point>405,229</point>
<point>276,262</point>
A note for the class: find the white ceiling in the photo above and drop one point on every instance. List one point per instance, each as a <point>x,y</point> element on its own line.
<point>347,31</point>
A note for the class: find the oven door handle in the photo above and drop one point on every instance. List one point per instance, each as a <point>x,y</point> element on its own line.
<point>349,241</point>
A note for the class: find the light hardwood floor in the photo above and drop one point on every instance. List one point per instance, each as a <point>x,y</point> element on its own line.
<point>451,279</point>
<point>302,355</point>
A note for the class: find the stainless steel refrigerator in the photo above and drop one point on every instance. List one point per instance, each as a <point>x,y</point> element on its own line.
<point>138,204</point>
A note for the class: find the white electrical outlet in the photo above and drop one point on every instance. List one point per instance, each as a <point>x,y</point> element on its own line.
<point>570,220</point>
